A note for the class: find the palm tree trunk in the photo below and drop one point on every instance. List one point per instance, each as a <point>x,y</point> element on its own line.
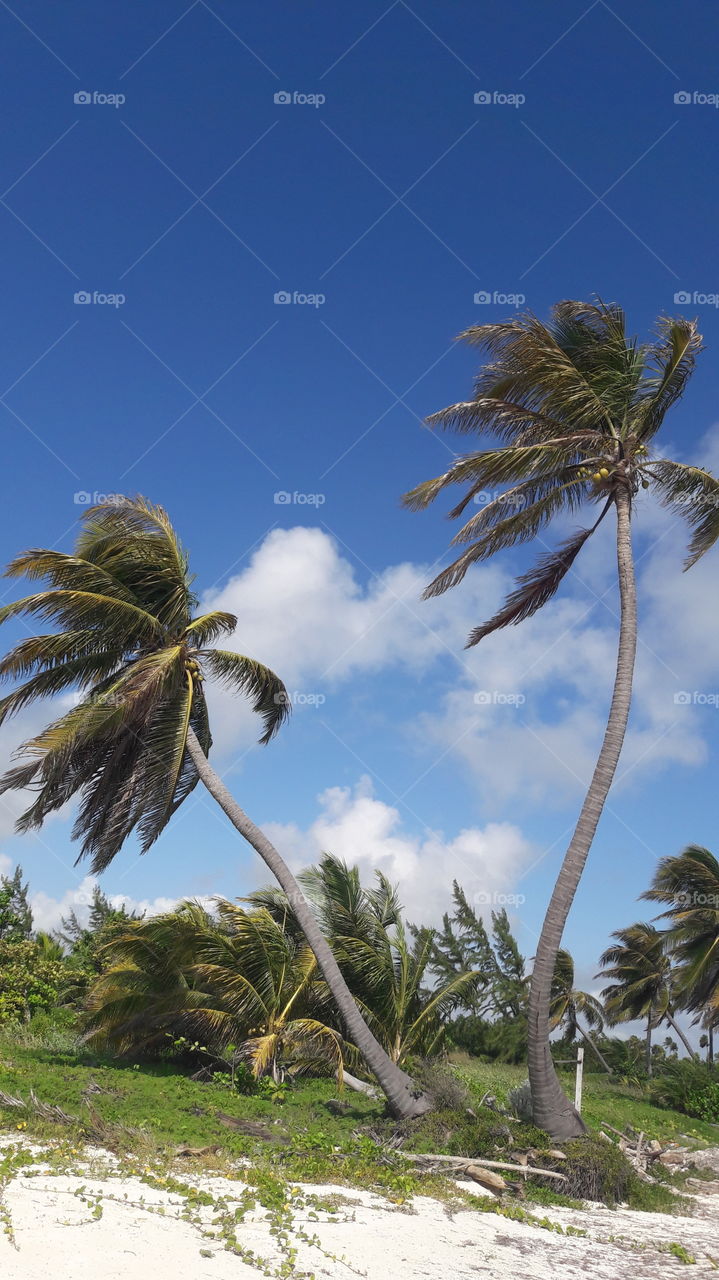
<point>552,1108</point>
<point>403,1097</point>
<point>711,1044</point>
<point>595,1049</point>
<point>681,1035</point>
<point>650,1016</point>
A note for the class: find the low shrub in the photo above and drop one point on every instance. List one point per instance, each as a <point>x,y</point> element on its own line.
<point>444,1085</point>
<point>465,1133</point>
<point>596,1170</point>
<point>688,1086</point>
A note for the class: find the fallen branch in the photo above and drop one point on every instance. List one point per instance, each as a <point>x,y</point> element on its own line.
<point>360,1086</point>
<point>462,1162</point>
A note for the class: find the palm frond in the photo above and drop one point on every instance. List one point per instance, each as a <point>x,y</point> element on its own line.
<point>694,494</point>
<point>535,588</point>
<point>244,675</point>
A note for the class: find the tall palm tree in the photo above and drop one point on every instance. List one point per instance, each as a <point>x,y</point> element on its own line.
<point>689,883</point>
<point>576,405</point>
<point>640,964</point>
<point>568,1005</point>
<point>136,744</point>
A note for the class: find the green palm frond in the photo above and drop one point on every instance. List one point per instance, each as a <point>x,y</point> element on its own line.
<point>670,360</point>
<point>209,627</point>
<point>573,403</point>
<point>689,885</point>
<point>694,494</point>
<point>536,587</point>
<point>244,675</point>
<point>128,643</point>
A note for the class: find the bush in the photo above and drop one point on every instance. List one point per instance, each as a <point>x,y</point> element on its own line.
<point>444,1085</point>
<point>462,1133</point>
<point>596,1170</point>
<point>29,983</point>
<point>688,1086</point>
<point>519,1101</point>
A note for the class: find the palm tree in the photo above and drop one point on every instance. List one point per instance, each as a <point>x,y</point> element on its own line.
<point>241,983</point>
<point>385,969</point>
<point>136,744</point>
<point>568,1005</point>
<point>576,405</point>
<point>689,883</point>
<point>640,964</point>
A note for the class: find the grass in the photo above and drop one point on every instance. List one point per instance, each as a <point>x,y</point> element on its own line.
<point>617,1104</point>
<point>153,1109</point>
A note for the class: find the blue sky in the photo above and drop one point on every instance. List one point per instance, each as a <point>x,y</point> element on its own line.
<point>385,193</point>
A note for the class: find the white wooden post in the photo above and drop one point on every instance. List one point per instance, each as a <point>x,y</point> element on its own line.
<point>578,1082</point>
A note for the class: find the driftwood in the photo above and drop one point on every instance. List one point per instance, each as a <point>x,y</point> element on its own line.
<point>458,1163</point>
<point>7,1101</point>
<point>639,1153</point>
<point>94,1128</point>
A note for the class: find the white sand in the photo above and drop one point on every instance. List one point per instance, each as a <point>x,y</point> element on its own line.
<point>58,1239</point>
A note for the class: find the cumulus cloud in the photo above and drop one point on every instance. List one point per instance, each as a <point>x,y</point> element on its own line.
<point>547,683</point>
<point>365,832</point>
<point>48,911</point>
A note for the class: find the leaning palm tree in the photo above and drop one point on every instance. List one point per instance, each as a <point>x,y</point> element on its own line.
<point>136,744</point>
<point>576,405</point>
<point>568,1005</point>
<point>644,986</point>
<point>689,884</point>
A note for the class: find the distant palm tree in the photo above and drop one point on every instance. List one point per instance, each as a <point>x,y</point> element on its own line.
<point>241,984</point>
<point>49,947</point>
<point>689,883</point>
<point>568,1005</point>
<point>640,964</point>
<point>136,744</point>
<point>576,405</point>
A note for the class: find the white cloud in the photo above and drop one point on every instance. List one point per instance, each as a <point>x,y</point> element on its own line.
<point>48,911</point>
<point>304,612</point>
<point>366,832</point>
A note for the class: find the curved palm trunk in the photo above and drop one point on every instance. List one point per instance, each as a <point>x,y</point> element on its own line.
<point>403,1097</point>
<point>551,1107</point>
<point>595,1049</point>
<point>681,1035</point>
